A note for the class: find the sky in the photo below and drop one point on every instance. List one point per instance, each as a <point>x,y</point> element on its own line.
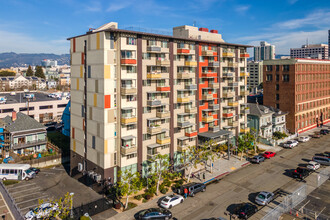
<point>42,26</point>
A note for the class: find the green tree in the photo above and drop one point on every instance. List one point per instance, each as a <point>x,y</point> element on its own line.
<point>129,183</point>
<point>39,72</point>
<point>161,165</point>
<point>64,206</point>
<point>245,142</point>
<point>7,73</point>
<point>29,71</point>
<point>279,135</point>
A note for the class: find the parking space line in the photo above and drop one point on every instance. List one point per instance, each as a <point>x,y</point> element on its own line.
<point>28,207</point>
<point>49,173</point>
<point>32,199</point>
<point>29,195</point>
<point>2,206</point>
<point>15,187</point>
<point>26,190</point>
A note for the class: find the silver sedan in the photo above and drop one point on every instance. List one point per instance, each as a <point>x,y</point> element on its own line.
<point>263,198</point>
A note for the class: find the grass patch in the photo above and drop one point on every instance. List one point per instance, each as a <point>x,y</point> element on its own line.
<point>130,206</point>
<point>60,140</point>
<point>10,182</point>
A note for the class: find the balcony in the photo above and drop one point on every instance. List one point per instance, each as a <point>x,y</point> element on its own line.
<point>244,55</point>
<point>228,115</point>
<point>228,94</point>
<point>244,92</point>
<point>165,114</point>
<point>154,130</point>
<point>214,64</point>
<point>183,51</point>
<point>231,64</point>
<point>243,74</point>
<point>162,62</point>
<point>190,110</point>
<point>227,74</point>
<point>182,148</point>
<point>128,120</point>
<point>183,124</point>
<point>164,140</point>
<point>191,63</point>
<point>245,111</point>
<point>128,91</point>
<point>154,49</point>
<point>163,88</point>
<point>191,134</point>
<point>152,154</point>
<point>208,53</point>
<point>209,74</point>
<point>190,86</point>
<point>155,75</point>
<point>207,97</point>
<point>28,144</point>
<point>214,106</point>
<point>232,84</point>
<point>214,85</point>
<point>186,75</point>
<point>183,99</point>
<point>128,61</point>
<point>233,123</point>
<point>154,102</point>
<point>207,119</point>
<point>233,103</point>
<point>214,128</point>
<point>245,130</point>
<point>228,54</point>
<point>128,150</point>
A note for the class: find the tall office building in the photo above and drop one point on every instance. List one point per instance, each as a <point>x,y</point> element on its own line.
<point>135,95</point>
<point>255,69</point>
<point>313,51</point>
<point>300,87</point>
<point>265,51</point>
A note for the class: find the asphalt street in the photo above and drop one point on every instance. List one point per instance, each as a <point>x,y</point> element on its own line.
<point>244,184</point>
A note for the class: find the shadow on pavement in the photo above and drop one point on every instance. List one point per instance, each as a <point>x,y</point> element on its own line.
<point>288,172</point>
<point>306,160</point>
<point>252,197</point>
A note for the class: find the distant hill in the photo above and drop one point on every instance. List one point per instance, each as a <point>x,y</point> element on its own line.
<point>21,59</point>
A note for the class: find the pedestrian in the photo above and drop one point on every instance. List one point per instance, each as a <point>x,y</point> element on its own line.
<point>185,192</point>
<point>204,175</point>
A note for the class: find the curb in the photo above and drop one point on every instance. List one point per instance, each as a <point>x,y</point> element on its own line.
<point>247,163</point>
<point>215,178</point>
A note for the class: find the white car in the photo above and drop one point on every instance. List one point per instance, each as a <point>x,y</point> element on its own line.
<point>170,201</point>
<point>290,144</point>
<point>41,212</point>
<point>304,139</point>
<point>312,165</point>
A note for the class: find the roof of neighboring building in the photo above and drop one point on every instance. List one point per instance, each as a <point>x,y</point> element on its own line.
<point>259,110</point>
<point>278,112</point>
<point>215,134</point>
<point>23,122</point>
<point>2,123</point>
<point>295,60</point>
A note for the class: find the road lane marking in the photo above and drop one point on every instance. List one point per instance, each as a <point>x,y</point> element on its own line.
<point>25,190</point>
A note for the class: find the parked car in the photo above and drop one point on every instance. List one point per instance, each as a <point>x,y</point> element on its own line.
<point>257,159</point>
<point>153,213</point>
<point>269,154</point>
<point>290,144</point>
<point>8,160</point>
<point>36,170</point>
<point>196,188</point>
<point>170,201</point>
<point>263,198</point>
<point>322,160</point>
<point>245,210</point>
<point>326,154</point>
<point>324,132</point>
<point>316,135</point>
<point>312,165</point>
<point>303,138</point>
<point>300,173</point>
<point>43,211</point>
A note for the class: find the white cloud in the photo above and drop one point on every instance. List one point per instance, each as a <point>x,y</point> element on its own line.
<point>118,5</point>
<point>242,8</point>
<point>20,43</point>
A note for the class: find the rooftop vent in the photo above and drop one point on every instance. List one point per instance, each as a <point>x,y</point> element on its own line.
<point>203,29</point>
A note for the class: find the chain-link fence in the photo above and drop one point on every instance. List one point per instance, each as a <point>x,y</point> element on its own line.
<point>289,202</point>
<point>323,176</point>
<point>92,208</point>
<point>308,214</point>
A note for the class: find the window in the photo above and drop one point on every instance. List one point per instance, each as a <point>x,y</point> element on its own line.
<point>131,41</point>
<point>25,109</point>
<point>278,106</point>
<point>131,127</point>
<point>286,67</point>
<point>277,97</point>
<point>131,69</point>
<point>46,107</point>
<point>146,137</point>
<point>146,109</point>
<point>277,77</point>
<point>115,158</point>
<point>61,106</point>
<point>129,156</point>
<point>89,71</point>
<point>269,68</point>
<point>112,41</point>
<point>164,44</point>
<point>286,78</point>
<point>277,87</point>
<point>146,56</point>
<point>93,142</point>
<point>269,77</point>
<point>277,68</point>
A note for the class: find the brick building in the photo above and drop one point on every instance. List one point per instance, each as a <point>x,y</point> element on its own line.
<point>300,87</point>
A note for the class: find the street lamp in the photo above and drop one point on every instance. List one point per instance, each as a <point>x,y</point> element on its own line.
<point>71,208</point>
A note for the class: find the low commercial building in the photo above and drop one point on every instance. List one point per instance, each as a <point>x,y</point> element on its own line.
<point>26,135</point>
<point>20,82</point>
<point>42,108</point>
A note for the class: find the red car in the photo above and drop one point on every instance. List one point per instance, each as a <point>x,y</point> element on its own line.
<point>269,154</point>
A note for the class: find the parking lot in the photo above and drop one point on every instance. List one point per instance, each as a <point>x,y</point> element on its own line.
<point>52,184</point>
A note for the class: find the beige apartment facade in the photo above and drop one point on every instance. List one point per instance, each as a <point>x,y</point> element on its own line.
<point>148,94</point>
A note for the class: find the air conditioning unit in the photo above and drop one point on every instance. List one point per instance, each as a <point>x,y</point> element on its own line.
<point>97,177</point>
<point>80,167</point>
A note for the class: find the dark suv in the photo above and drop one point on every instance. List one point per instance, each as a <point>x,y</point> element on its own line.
<point>193,188</point>
<point>301,173</point>
<point>245,210</point>
<point>324,131</point>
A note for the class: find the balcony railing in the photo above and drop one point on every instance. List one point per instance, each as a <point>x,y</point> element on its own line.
<point>207,97</point>
<point>208,53</point>
<point>245,111</point>
<point>182,148</point>
<point>228,115</point>
<point>232,84</point>
<point>128,91</point>
<point>214,106</point>
<point>183,51</point>
<point>244,92</point>
<point>214,85</point>
<point>244,55</point>
<point>154,130</point>
<point>154,102</point>
<point>186,75</point>
<point>183,99</point>
<point>228,74</point>
<point>233,123</point>
<point>231,64</point>
<point>155,75</point>
<point>207,119</point>
<point>191,63</point>
<point>128,61</point>
<point>209,74</point>
<point>233,103</point>
<point>228,54</point>
<point>163,88</point>
<point>128,150</point>
<point>162,62</point>
<point>164,140</point>
<point>153,154</point>
<point>191,134</point>
<point>214,128</point>
<point>242,74</point>
<point>190,110</point>
<point>214,64</point>
<point>128,120</point>
<point>228,94</point>
<point>28,144</point>
<point>165,114</point>
<point>155,49</point>
<point>245,130</point>
<point>190,86</point>
<point>183,124</point>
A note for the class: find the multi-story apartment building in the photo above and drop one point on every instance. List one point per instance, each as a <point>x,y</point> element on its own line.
<point>265,51</point>
<point>135,95</point>
<point>300,87</point>
<point>315,51</point>
<point>20,82</point>
<point>255,69</point>
<point>329,44</point>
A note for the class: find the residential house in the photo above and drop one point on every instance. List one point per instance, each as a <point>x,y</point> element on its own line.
<point>260,118</point>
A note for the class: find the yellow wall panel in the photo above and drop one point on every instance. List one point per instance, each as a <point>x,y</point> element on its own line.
<point>105,146</point>
<point>77,83</point>
<point>95,100</point>
<point>97,41</point>
<point>74,145</point>
<point>81,72</point>
<point>106,71</point>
